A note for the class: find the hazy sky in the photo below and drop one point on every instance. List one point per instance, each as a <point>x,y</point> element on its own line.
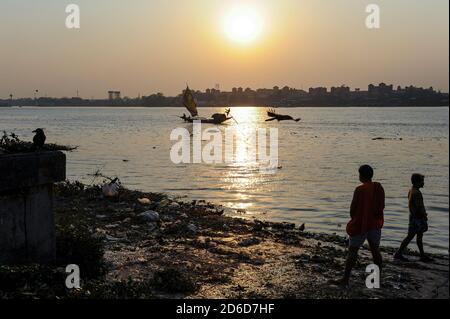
<point>145,46</point>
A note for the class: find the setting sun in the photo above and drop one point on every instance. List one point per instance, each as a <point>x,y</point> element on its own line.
<point>243,25</point>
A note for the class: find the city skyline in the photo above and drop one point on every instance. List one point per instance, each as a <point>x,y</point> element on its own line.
<point>118,94</point>
<point>381,94</point>
<point>152,46</point>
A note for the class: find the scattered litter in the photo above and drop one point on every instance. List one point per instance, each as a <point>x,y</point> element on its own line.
<point>111,189</point>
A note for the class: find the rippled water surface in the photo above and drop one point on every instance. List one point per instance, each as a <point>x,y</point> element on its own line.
<point>319,158</point>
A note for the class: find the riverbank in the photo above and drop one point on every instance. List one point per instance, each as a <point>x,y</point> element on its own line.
<point>158,247</point>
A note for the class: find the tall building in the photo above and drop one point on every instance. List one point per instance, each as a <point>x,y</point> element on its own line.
<point>114,95</point>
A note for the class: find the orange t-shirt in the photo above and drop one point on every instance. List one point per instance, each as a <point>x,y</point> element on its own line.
<point>367,209</point>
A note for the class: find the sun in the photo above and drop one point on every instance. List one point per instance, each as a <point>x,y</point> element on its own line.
<point>243,25</point>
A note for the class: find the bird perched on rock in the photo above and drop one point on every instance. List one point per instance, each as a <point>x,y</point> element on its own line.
<point>302,228</point>
<point>39,138</point>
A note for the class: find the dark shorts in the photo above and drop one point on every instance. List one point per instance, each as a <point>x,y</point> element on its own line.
<point>373,236</point>
<point>418,226</point>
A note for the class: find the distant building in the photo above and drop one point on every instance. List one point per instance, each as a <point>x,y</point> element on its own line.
<point>114,95</point>
<point>381,89</point>
<point>341,91</point>
<point>318,91</point>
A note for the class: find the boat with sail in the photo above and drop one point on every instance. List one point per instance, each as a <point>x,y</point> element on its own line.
<point>191,105</point>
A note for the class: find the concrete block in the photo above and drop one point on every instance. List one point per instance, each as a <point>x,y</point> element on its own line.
<point>27,227</point>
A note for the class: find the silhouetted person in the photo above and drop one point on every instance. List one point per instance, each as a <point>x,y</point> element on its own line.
<point>39,138</point>
<point>418,219</point>
<point>367,220</point>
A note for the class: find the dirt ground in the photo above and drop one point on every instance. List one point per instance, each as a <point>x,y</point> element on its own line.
<point>236,258</point>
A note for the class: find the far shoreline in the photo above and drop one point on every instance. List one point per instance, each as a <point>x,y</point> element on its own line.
<point>226,106</point>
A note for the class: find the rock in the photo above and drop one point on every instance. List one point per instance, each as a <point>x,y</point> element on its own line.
<point>303,257</point>
<point>111,238</point>
<point>144,201</point>
<point>164,203</point>
<point>101,216</point>
<point>283,226</point>
<point>167,218</point>
<point>152,226</point>
<point>172,228</point>
<point>250,242</point>
<point>174,205</point>
<point>150,216</point>
<point>192,228</point>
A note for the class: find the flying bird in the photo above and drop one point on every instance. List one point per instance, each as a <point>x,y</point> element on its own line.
<point>39,138</point>
<point>274,116</point>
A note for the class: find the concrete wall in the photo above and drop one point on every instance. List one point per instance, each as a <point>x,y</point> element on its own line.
<point>27,227</point>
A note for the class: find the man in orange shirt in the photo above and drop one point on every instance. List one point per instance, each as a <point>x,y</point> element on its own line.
<point>367,220</point>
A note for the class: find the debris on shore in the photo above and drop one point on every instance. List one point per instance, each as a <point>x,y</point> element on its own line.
<point>158,247</point>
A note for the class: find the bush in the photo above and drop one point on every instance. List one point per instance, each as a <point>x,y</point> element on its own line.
<point>31,281</point>
<point>114,290</point>
<point>173,280</point>
<point>76,245</point>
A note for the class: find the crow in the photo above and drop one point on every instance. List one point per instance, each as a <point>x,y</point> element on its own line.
<point>39,138</point>
<point>278,117</point>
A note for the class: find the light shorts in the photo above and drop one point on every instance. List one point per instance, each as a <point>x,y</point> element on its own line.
<point>374,236</point>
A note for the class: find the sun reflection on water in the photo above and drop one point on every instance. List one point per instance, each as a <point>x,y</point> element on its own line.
<point>243,176</point>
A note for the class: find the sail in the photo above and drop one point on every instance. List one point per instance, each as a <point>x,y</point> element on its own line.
<point>189,102</point>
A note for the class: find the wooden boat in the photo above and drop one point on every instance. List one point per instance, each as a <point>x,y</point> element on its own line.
<point>191,106</point>
<point>215,119</point>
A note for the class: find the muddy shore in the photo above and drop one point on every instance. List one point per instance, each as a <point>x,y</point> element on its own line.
<point>180,249</point>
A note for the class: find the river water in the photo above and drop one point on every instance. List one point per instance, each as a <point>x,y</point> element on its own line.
<point>319,157</point>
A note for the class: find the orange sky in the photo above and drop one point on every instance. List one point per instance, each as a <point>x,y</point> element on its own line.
<point>143,46</point>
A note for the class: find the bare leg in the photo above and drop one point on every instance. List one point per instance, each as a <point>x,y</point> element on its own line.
<point>420,244</point>
<point>405,243</point>
<point>351,261</point>
<point>377,258</point>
